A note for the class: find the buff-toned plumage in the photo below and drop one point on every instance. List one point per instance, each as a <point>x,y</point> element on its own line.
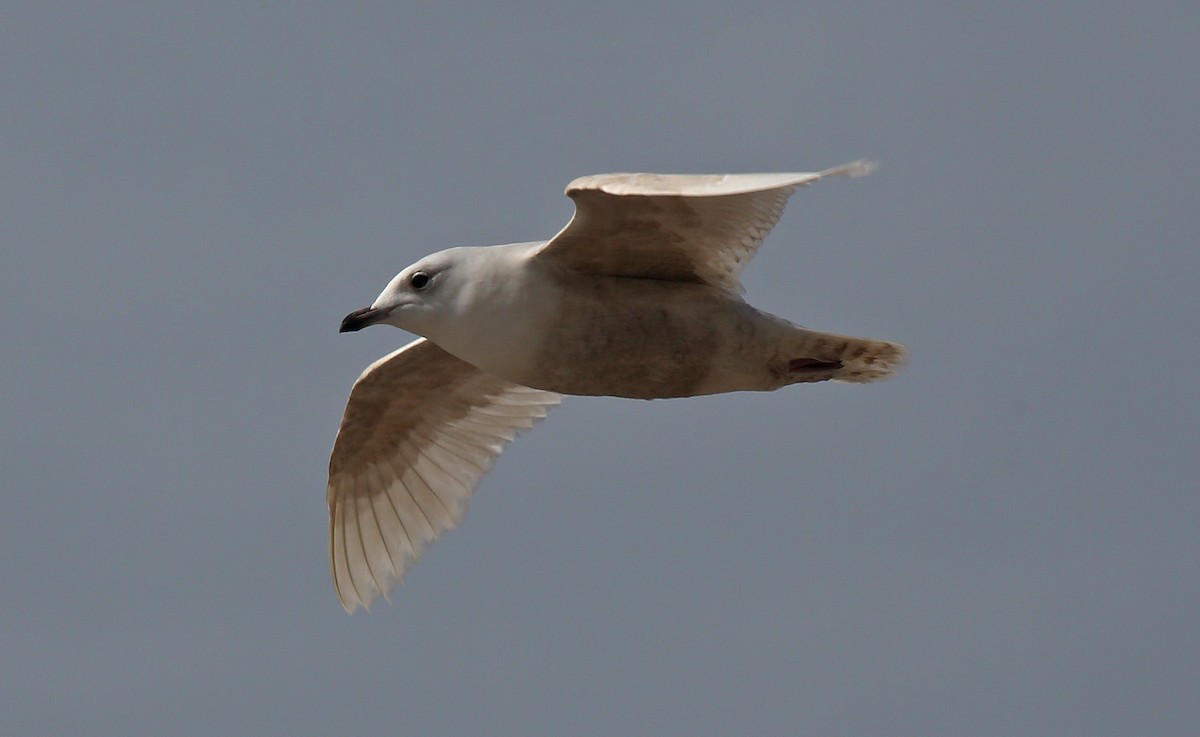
<point>638,296</point>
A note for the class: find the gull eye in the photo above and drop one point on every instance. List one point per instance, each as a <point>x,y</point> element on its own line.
<point>419,280</point>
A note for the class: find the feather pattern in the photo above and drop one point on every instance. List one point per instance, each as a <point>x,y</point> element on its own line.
<point>701,228</point>
<point>420,429</point>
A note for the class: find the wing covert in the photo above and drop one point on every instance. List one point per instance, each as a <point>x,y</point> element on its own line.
<point>676,227</point>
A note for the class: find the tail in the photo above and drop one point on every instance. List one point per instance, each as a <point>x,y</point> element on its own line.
<point>813,356</point>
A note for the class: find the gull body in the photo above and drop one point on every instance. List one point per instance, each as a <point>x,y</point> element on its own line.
<point>637,297</point>
<point>501,310</point>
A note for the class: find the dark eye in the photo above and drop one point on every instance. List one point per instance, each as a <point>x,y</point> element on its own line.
<point>419,280</point>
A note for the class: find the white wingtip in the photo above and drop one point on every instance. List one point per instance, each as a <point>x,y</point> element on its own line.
<point>859,168</point>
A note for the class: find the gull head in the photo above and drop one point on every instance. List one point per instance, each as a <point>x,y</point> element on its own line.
<point>417,299</point>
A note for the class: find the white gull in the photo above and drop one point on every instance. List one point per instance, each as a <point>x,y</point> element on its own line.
<point>638,296</point>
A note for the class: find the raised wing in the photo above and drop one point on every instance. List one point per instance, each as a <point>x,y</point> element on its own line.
<point>675,227</point>
<point>420,429</point>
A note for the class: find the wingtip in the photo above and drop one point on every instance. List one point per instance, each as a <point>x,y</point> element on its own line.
<point>351,606</point>
<point>859,168</point>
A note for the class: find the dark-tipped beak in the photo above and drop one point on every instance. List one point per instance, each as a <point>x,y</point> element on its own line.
<point>360,319</point>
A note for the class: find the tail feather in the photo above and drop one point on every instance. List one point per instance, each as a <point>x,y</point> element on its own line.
<point>815,356</point>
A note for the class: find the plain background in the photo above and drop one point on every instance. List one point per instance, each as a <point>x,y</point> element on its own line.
<point>1001,541</point>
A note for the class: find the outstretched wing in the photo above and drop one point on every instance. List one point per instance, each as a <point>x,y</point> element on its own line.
<point>420,429</point>
<point>675,227</point>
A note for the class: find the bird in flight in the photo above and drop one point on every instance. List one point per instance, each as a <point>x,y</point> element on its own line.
<point>638,296</point>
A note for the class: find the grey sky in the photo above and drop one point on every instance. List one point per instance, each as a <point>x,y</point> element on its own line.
<point>1002,541</point>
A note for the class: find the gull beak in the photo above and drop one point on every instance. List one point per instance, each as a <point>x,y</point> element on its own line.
<point>365,317</point>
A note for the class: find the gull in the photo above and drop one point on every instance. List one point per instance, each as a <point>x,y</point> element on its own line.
<point>638,296</point>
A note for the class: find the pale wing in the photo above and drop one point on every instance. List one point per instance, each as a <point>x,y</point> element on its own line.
<point>675,227</point>
<point>420,429</point>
